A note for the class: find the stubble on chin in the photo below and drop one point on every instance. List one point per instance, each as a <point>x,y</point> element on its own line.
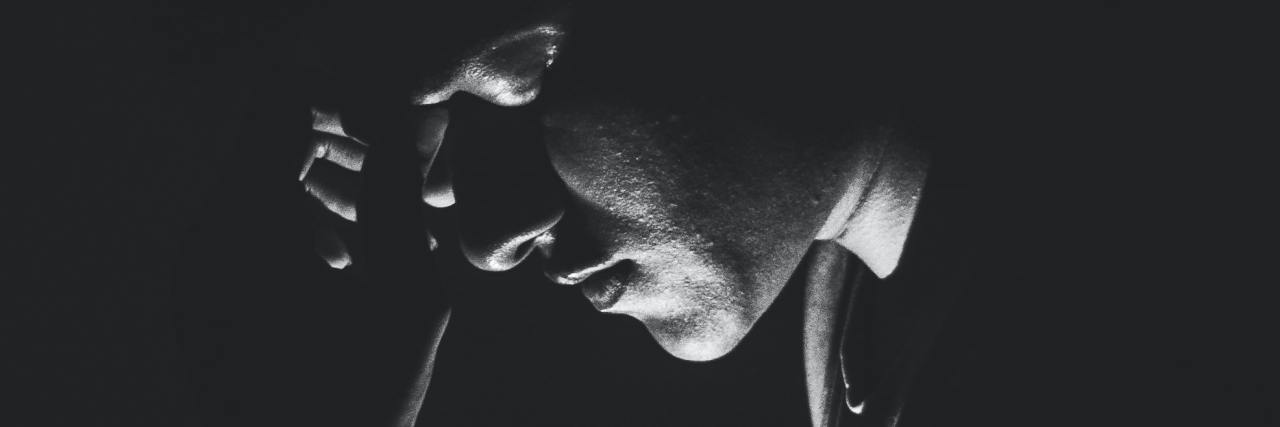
<point>698,337</point>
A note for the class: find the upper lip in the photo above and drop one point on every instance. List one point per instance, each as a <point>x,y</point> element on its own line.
<point>605,287</point>
<point>601,281</point>
<point>573,261</point>
<point>576,274</point>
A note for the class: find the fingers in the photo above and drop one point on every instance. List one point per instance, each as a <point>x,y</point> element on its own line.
<point>327,122</point>
<point>329,141</point>
<point>331,248</point>
<point>437,185</point>
<point>332,174</point>
<point>431,126</point>
<point>336,240</point>
<point>338,189</point>
<point>346,152</point>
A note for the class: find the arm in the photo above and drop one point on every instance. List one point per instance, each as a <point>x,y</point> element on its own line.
<point>373,188</point>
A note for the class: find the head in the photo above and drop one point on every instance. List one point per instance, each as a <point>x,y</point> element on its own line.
<point>674,166</point>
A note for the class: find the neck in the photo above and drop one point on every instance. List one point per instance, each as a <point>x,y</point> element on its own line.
<point>874,215</point>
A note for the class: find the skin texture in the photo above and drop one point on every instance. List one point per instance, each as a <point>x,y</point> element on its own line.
<point>683,212</point>
<point>705,213</point>
<point>681,194</point>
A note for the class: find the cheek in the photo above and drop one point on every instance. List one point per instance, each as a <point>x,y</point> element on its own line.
<point>731,193</point>
<point>617,161</point>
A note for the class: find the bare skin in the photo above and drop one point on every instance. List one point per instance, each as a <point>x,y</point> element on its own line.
<point>688,215</point>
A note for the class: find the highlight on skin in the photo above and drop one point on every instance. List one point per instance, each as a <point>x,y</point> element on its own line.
<point>695,215</point>
<point>694,288</point>
<point>506,72</point>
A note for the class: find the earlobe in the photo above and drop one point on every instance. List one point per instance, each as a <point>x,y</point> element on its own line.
<point>506,71</point>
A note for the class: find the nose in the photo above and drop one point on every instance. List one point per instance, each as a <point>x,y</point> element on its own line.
<point>508,196</point>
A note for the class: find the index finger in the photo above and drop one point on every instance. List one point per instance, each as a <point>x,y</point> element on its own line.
<point>430,132</point>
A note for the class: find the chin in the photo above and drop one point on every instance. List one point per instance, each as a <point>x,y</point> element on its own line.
<point>698,338</point>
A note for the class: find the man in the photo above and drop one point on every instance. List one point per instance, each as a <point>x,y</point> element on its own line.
<point>676,178</point>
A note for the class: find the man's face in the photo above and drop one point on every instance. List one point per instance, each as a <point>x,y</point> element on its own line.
<point>697,217</point>
<point>685,211</point>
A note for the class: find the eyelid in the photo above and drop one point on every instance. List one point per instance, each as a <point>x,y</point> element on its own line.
<point>506,71</point>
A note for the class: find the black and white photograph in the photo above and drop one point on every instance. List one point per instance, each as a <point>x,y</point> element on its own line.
<point>634,213</point>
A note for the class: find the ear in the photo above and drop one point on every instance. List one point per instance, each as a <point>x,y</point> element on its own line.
<point>506,70</point>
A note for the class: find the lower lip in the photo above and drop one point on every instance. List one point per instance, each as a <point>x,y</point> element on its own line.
<point>605,288</point>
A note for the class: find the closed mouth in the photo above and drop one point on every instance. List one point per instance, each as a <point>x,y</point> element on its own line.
<point>605,287</point>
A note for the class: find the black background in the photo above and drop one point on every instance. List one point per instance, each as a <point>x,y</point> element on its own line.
<point>165,274</point>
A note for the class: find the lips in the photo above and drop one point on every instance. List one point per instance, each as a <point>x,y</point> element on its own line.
<point>601,283</point>
<point>605,287</point>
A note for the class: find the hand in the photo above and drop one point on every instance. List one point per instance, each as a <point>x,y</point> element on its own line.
<point>370,177</point>
<point>331,174</point>
<point>381,172</point>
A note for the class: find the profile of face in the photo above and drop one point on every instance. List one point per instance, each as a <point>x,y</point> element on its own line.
<point>676,192</point>
<point>690,220</point>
